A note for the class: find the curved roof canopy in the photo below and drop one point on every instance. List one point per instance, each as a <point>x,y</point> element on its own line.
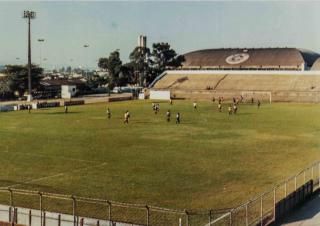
<point>242,58</point>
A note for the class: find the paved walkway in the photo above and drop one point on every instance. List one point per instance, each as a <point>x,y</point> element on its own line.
<point>307,215</point>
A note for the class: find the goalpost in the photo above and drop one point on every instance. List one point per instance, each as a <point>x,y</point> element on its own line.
<point>261,95</point>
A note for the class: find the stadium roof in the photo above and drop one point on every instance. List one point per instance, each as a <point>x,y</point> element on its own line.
<point>316,65</point>
<point>251,58</point>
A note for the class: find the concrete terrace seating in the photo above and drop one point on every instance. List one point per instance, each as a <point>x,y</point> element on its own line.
<point>188,82</point>
<point>258,82</point>
<point>252,82</point>
<point>264,85</point>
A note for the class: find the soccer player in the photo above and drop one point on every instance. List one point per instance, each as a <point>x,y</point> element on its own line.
<point>235,108</point>
<point>241,98</point>
<point>259,104</point>
<point>156,108</point>
<point>108,113</point>
<point>168,115</point>
<point>252,100</point>
<point>126,117</point>
<point>219,107</point>
<point>29,109</point>
<point>195,105</point>
<point>230,110</point>
<point>65,109</point>
<point>178,118</point>
<point>213,99</point>
<point>170,101</point>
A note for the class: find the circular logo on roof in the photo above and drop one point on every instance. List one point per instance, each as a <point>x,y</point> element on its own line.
<point>237,58</point>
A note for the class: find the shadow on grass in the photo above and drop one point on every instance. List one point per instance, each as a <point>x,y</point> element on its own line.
<point>58,113</point>
<point>245,113</point>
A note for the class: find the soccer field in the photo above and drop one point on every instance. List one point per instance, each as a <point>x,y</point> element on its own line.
<point>210,160</point>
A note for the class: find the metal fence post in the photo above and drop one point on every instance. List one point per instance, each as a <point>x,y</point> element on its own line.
<point>110,218</point>
<point>11,204</point>
<point>230,218</point>
<point>40,200</point>
<point>261,210</point>
<point>59,220</point>
<point>148,215</point>
<point>274,203</point>
<point>247,220</point>
<point>10,213</point>
<point>11,197</point>
<point>30,217</point>
<point>74,212</point>
<point>15,215</point>
<point>187,217</point>
<point>44,218</point>
<point>210,217</point>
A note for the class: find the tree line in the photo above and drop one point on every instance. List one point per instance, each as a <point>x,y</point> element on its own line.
<point>144,65</point>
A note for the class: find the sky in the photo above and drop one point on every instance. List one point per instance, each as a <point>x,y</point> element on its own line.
<point>186,26</point>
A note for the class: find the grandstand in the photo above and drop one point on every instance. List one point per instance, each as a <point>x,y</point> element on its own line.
<point>275,74</point>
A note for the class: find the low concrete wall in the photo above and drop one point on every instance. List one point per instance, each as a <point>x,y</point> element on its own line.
<point>51,219</point>
<point>276,96</point>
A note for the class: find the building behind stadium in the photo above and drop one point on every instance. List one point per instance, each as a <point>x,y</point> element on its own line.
<point>270,74</point>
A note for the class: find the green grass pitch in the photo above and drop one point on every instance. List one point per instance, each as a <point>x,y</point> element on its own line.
<point>210,160</point>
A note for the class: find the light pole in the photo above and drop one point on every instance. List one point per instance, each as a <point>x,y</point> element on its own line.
<point>86,46</point>
<point>27,14</point>
<point>40,40</point>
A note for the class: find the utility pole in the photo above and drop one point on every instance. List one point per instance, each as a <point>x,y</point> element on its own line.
<point>27,14</point>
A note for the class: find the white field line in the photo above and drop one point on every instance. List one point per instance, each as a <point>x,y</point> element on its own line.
<point>55,175</point>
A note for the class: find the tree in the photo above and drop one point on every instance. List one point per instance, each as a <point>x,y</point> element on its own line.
<point>18,77</point>
<point>126,75</point>
<point>163,57</point>
<point>69,70</point>
<point>4,87</point>
<point>113,65</point>
<point>140,63</point>
<point>62,70</point>
<point>95,81</point>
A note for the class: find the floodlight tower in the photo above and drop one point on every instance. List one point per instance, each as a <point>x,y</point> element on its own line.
<point>40,40</point>
<point>27,14</point>
<point>86,46</point>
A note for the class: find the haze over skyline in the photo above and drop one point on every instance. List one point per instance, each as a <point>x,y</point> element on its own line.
<point>186,26</point>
